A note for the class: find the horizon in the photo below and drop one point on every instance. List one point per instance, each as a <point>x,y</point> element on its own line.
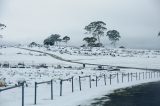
<point>137,21</point>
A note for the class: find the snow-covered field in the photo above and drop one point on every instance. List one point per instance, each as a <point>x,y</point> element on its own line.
<point>58,69</point>
<point>15,56</point>
<point>114,57</point>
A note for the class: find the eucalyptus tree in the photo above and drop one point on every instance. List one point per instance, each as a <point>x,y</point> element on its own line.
<point>52,39</point>
<point>90,41</point>
<point>96,29</point>
<point>2,26</point>
<point>66,39</point>
<point>113,36</point>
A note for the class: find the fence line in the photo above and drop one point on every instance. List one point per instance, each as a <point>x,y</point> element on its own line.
<point>39,83</point>
<point>61,82</point>
<point>80,87</point>
<point>101,76</point>
<point>130,77</point>
<point>20,85</point>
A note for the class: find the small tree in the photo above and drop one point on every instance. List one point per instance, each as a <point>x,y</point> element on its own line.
<point>87,39</point>
<point>114,36</point>
<point>96,29</point>
<point>159,34</point>
<point>58,41</point>
<point>2,26</point>
<point>66,39</point>
<point>90,40</point>
<point>54,38</point>
<point>33,44</point>
<point>48,41</point>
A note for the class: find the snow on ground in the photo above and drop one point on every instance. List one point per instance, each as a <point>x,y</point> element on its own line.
<point>15,55</point>
<point>114,57</point>
<point>30,75</point>
<point>8,98</point>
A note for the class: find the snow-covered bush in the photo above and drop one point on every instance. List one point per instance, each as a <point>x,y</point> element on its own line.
<point>2,82</point>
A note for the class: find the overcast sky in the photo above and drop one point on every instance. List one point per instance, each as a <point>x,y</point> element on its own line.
<point>138,21</point>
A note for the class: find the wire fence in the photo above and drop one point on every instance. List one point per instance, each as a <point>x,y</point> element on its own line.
<point>13,87</point>
<point>109,79</point>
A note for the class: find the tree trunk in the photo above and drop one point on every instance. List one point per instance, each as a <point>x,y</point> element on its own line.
<point>114,44</point>
<point>98,39</point>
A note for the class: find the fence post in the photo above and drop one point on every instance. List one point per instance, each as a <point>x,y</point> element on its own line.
<point>80,83</point>
<point>84,65</point>
<point>72,85</point>
<point>23,94</point>
<point>122,77</point>
<point>131,77</point>
<point>139,76</point>
<point>60,87</point>
<point>117,78</point>
<point>143,75</point>
<point>146,74</point>
<point>96,81</point>
<point>104,79</point>
<point>128,77</point>
<point>149,75</point>
<point>35,94</point>
<point>51,89</point>
<point>110,79</point>
<point>90,81</point>
<point>136,75</point>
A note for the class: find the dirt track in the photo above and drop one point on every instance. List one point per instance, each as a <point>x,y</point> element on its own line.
<point>71,61</point>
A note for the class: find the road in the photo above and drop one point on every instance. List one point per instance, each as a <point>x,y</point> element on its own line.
<point>71,61</point>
